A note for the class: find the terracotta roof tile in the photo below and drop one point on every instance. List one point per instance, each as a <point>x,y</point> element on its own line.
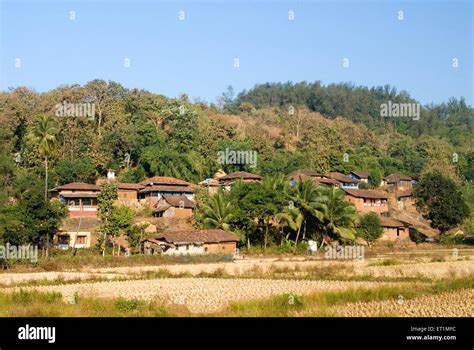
<point>240,175</point>
<point>366,193</point>
<point>198,236</point>
<point>342,178</point>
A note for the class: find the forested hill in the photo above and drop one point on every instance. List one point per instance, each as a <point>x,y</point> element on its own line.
<point>139,134</point>
<point>362,104</point>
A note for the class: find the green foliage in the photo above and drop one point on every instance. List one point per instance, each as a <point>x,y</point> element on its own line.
<point>135,234</point>
<point>216,212</point>
<point>105,211</point>
<point>441,200</point>
<point>129,304</point>
<point>174,137</point>
<point>29,219</point>
<point>369,227</point>
<point>80,170</point>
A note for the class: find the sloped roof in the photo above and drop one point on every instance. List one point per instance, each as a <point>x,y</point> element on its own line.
<point>372,194</point>
<point>361,174</point>
<point>177,201</point>
<point>81,186</point>
<point>302,173</point>
<point>198,236</point>
<point>184,189</point>
<point>342,178</point>
<point>129,186</point>
<point>390,222</point>
<point>397,177</point>
<point>165,180</point>
<point>240,175</point>
<point>417,221</point>
<point>79,195</point>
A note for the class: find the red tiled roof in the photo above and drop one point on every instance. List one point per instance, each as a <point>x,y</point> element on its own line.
<point>302,173</point>
<point>361,174</point>
<point>240,175</point>
<point>179,201</point>
<point>165,180</point>
<point>198,236</point>
<point>184,189</point>
<point>366,193</point>
<point>129,186</point>
<point>390,222</point>
<point>397,177</point>
<point>77,186</point>
<point>342,178</point>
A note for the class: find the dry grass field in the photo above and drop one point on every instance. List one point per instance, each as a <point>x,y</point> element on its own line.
<point>422,285</point>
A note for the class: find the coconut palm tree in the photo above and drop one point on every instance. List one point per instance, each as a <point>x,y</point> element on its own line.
<point>216,212</point>
<point>43,135</point>
<point>293,218</point>
<point>338,214</point>
<point>307,199</point>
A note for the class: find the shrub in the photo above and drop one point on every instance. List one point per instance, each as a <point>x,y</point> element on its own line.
<point>129,304</point>
<point>22,297</point>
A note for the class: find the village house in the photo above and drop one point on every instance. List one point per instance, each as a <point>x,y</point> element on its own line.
<point>398,182</point>
<point>406,201</point>
<point>79,197</point>
<point>228,180</point>
<point>193,242</point>
<point>127,193</point>
<point>211,184</point>
<point>361,176</point>
<point>174,207</point>
<point>157,186</point>
<point>318,178</point>
<point>76,233</point>
<point>393,229</point>
<point>367,201</point>
<point>346,182</point>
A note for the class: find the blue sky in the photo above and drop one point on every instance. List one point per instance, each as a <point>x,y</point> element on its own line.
<point>196,55</point>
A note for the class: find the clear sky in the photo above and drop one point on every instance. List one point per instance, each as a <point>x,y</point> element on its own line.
<point>197,55</point>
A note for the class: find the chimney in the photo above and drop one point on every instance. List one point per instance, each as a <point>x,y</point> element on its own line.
<point>111,175</point>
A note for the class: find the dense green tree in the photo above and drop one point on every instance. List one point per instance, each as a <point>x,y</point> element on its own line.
<point>441,201</point>
<point>105,211</point>
<point>369,227</point>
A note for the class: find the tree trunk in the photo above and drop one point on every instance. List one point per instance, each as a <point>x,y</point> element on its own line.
<point>248,242</point>
<point>297,236</point>
<point>265,237</point>
<point>46,179</point>
<point>46,198</point>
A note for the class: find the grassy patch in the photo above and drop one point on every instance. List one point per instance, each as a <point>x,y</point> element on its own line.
<point>36,304</point>
<point>386,262</point>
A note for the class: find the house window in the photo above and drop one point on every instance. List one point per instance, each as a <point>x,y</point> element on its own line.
<point>88,202</point>
<point>73,202</point>
<point>81,239</point>
<point>63,239</point>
